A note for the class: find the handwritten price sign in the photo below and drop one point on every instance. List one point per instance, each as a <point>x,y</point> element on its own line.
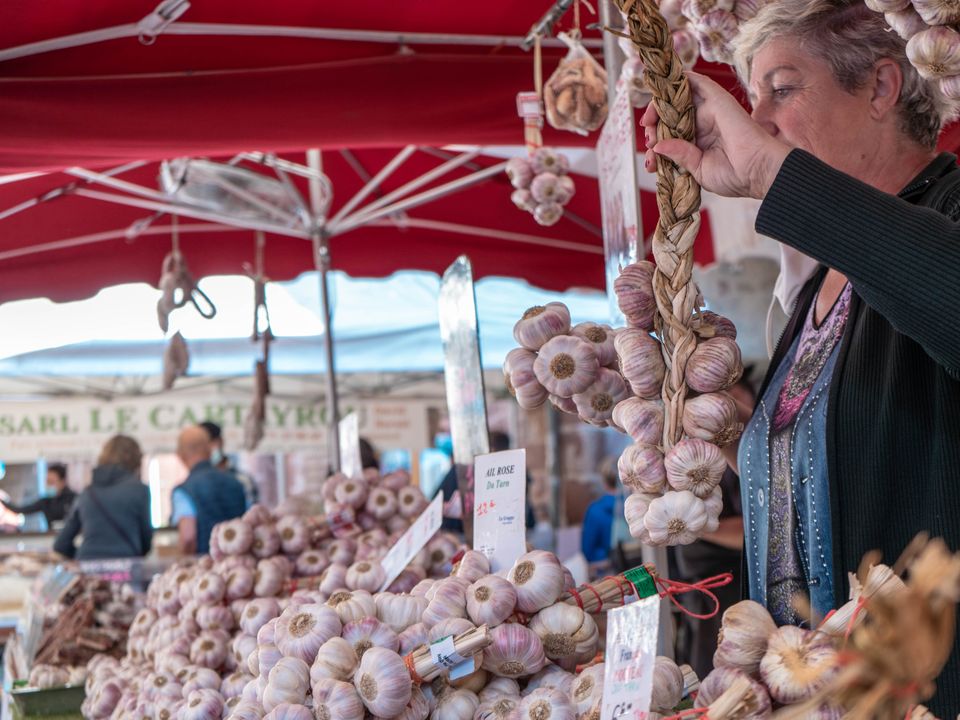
<point>630,655</point>
<point>500,506</point>
<point>410,543</point>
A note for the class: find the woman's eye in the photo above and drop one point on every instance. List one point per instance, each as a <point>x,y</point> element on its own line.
<point>780,93</point>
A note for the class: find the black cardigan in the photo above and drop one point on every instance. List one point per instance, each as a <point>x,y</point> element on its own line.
<point>893,419</point>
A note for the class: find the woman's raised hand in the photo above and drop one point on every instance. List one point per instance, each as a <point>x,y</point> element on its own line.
<point>733,155</point>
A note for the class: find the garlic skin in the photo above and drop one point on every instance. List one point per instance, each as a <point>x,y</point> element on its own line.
<point>232,685</point>
<point>937,12</point>
<point>352,492</point>
<point>550,676</point>
<point>712,417</point>
<point>351,606</point>
<point>204,704</point>
<point>257,514</point>
<point>687,47</point>
<point>440,552</point>
<point>548,214</point>
<point>239,583</point>
<point>885,6</point>
<point>634,290</point>
<point>521,381</point>
<point>523,199</point>
<point>541,323</point>
<point>586,693</point>
<point>600,338</point>
<point>365,575</point>
<point>455,705</point>
<point>538,579</point>
<point>641,469</point>
<point>566,366</point>
<point>311,562</point>
<point>383,682</point>
<point>333,578</point>
<point>294,536</point>
<point>569,635</point>
<point>714,365</point>
<point>287,682</point>
<point>215,617</point>
<point>381,503</point>
<point>675,519</point>
<point>641,362</point>
<point>208,650</point>
<point>472,566</point>
<point>449,601</point>
<point>595,404</point>
<point>564,405</point>
<point>634,508</point>
<point>412,638</point>
<point>336,660</point>
<point>367,633</point>
<point>302,630</point>
<point>716,30</point>
<point>449,627</point>
<point>545,703</point>
<point>399,611</point>
<point>417,709</point>
<point>501,707</point>
<point>516,651</point>
<point>935,52</point>
<point>210,588</point>
<point>499,687</point>
<point>797,664</point>
<point>694,465</point>
<point>258,613</point>
<point>491,600</point>
<point>411,501</point>
<point>336,700</point>
<point>757,705</point>
<point>744,633</point>
<point>950,87</point>
<point>520,172</point>
<point>905,23</point>
<point>266,541</point>
<point>234,536</point>
<point>545,188</point>
<point>641,419</point>
<point>667,685</point>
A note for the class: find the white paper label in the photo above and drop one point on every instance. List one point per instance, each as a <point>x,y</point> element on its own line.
<point>629,660</point>
<point>412,541</point>
<point>500,507</point>
<point>443,653</point>
<point>350,463</point>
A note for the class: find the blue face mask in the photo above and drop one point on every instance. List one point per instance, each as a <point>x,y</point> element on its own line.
<point>216,457</point>
<point>444,442</point>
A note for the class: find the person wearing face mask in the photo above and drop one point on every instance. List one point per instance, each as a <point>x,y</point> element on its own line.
<point>855,442</point>
<point>56,504</point>
<point>220,461</point>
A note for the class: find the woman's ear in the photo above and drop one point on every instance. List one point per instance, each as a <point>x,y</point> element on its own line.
<point>887,83</point>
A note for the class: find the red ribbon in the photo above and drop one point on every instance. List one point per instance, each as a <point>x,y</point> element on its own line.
<point>672,588</point>
<point>691,713</point>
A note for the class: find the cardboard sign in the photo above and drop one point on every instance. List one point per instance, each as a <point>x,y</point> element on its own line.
<point>350,463</point>
<point>629,660</point>
<point>500,507</point>
<point>412,541</point>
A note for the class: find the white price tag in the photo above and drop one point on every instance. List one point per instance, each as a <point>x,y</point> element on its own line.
<point>350,463</point>
<point>411,542</point>
<point>629,660</point>
<point>500,507</point>
<point>443,653</point>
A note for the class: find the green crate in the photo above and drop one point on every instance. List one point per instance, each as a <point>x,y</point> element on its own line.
<point>61,703</point>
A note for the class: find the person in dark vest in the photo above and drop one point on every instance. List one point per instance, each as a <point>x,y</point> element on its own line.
<point>208,496</point>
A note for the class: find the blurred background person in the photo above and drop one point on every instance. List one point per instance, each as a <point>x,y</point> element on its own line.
<point>221,461</point>
<point>113,512</point>
<point>596,537</point>
<point>208,496</point>
<point>56,504</point>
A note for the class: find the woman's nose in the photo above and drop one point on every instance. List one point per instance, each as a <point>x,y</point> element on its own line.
<point>762,116</point>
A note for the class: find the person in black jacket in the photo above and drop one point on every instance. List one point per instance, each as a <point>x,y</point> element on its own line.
<point>113,512</point>
<point>855,444</point>
<point>56,507</point>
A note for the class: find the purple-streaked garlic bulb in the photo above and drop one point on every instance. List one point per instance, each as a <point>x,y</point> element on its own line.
<point>215,617</point>
<point>587,692</point>
<point>342,550</point>
<point>745,632</point>
<point>641,362</point>
<point>600,338</point>
<point>545,703</point>
<point>595,404</point>
<point>208,650</point>
<point>716,30</point>
<point>399,611</point>
<point>676,518</point>
<point>333,578</point>
<point>694,465</point>
<point>287,682</point>
<point>545,187</point>
<point>209,588</point>
<point>367,633</point>
<point>413,637</point>
<point>302,630</point>
<point>500,707</point>
<point>352,492</point>
<point>641,419</point>
<point>311,562</point>
<point>235,537</point>
<point>257,514</point>
<point>472,566</point>
<point>440,551</point>
<point>548,160</point>
<point>538,579</point>
<point>381,503</point>
<point>336,700</point>
<point>541,323</point>
<point>201,678</point>
<point>564,405</point>
<point>241,646</point>
<point>336,660</point>
<point>566,366</point>
<point>641,468</point>
<point>258,613</point>
<point>202,704</point>
<point>411,502</point>
<point>266,541</point>
<point>516,651</point>
<point>352,605</point>
<point>290,711</point>
<point>714,365</point>
<point>797,664</point>
<point>451,627</point>
<point>520,172</point>
<point>687,47</point>
<point>294,536</point>
<point>521,381</point>
<point>269,578</point>
<point>634,290</point>
<point>566,189</point>
<point>365,575</point>
<point>449,601</point>
<point>383,681</point>
<point>712,417</point>
<point>667,685</point>
<point>522,198</point>
<point>711,325</point>
<point>548,213</point>
<point>569,635</point>
<point>239,583</point>
<point>754,707</point>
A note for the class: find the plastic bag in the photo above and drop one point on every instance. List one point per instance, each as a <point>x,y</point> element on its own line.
<point>575,96</point>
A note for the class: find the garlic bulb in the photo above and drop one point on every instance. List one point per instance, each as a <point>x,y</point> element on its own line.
<point>600,338</point>
<point>499,687</point>
<point>399,611</point>
<point>417,709</point>
<point>687,46</point>
<point>744,632</point>
<point>595,404</point>
<point>564,405</point>
<point>235,537</point>
<point>294,536</point>
<point>352,492</point>
<point>336,659</point>
<point>215,617</point>
<point>412,638</point>
<point>714,365</point>
<point>551,676</point>
<point>232,685</point>
<point>541,323</point>
<point>383,682</point>
<point>934,52</point>
<point>200,678</point>
<point>354,605</point>
<point>288,682</point>
<point>269,578</point>
<point>336,700</point>
<point>246,710</point>
<point>587,693</point>
<point>367,633</point>
<point>936,12</point>
<point>519,172</point>
<point>641,468</point>
<point>882,6</point>
<point>455,705</point>
<point>716,30</point>
<point>381,503</point>
<point>257,514</point>
<point>333,578</point>
<point>641,419</point>
<point>491,600</point>
<point>667,685</point>
<point>501,707</point>
<point>566,366</point>
<point>364,575</point>
<point>634,290</point>
<point>449,601</point>
<point>515,652</point>
<point>756,705</point>
<point>311,562</point>
<point>208,650</point>
<point>548,213</point>
<point>258,613</point>
<point>569,635</point>
<point>709,324</point>
<point>289,711</point>
<point>675,519</point>
<point>239,582</point>
<point>266,541</point>
<point>545,703</point>
<point>694,465</point>
<point>411,501</point>
<point>906,23</point>
<point>797,664</point>
<point>712,417</point>
<point>202,705</point>
<point>302,630</point>
<point>472,566</point>
<point>210,588</point>
<point>449,627</point>
<point>538,579</point>
<point>641,362</point>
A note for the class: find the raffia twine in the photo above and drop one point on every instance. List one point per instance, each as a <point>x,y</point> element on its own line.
<point>678,198</point>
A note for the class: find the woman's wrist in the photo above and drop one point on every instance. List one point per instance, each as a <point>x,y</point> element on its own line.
<point>771,159</point>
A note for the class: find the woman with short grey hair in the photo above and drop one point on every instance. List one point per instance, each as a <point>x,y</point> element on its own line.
<point>855,443</point>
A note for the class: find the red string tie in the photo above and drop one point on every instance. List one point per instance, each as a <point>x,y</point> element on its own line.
<point>672,588</point>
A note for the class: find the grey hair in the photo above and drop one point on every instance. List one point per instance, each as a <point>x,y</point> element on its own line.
<point>852,38</point>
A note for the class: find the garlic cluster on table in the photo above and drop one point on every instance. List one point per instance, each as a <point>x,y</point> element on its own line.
<point>541,184</point>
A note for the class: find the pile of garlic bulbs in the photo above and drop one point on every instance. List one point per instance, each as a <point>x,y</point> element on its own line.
<point>714,24</point>
<point>542,185</point>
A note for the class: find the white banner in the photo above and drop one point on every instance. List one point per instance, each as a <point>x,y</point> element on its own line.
<point>75,429</point>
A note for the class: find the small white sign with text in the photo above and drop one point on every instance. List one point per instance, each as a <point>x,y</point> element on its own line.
<point>412,541</point>
<point>629,660</point>
<point>500,506</point>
